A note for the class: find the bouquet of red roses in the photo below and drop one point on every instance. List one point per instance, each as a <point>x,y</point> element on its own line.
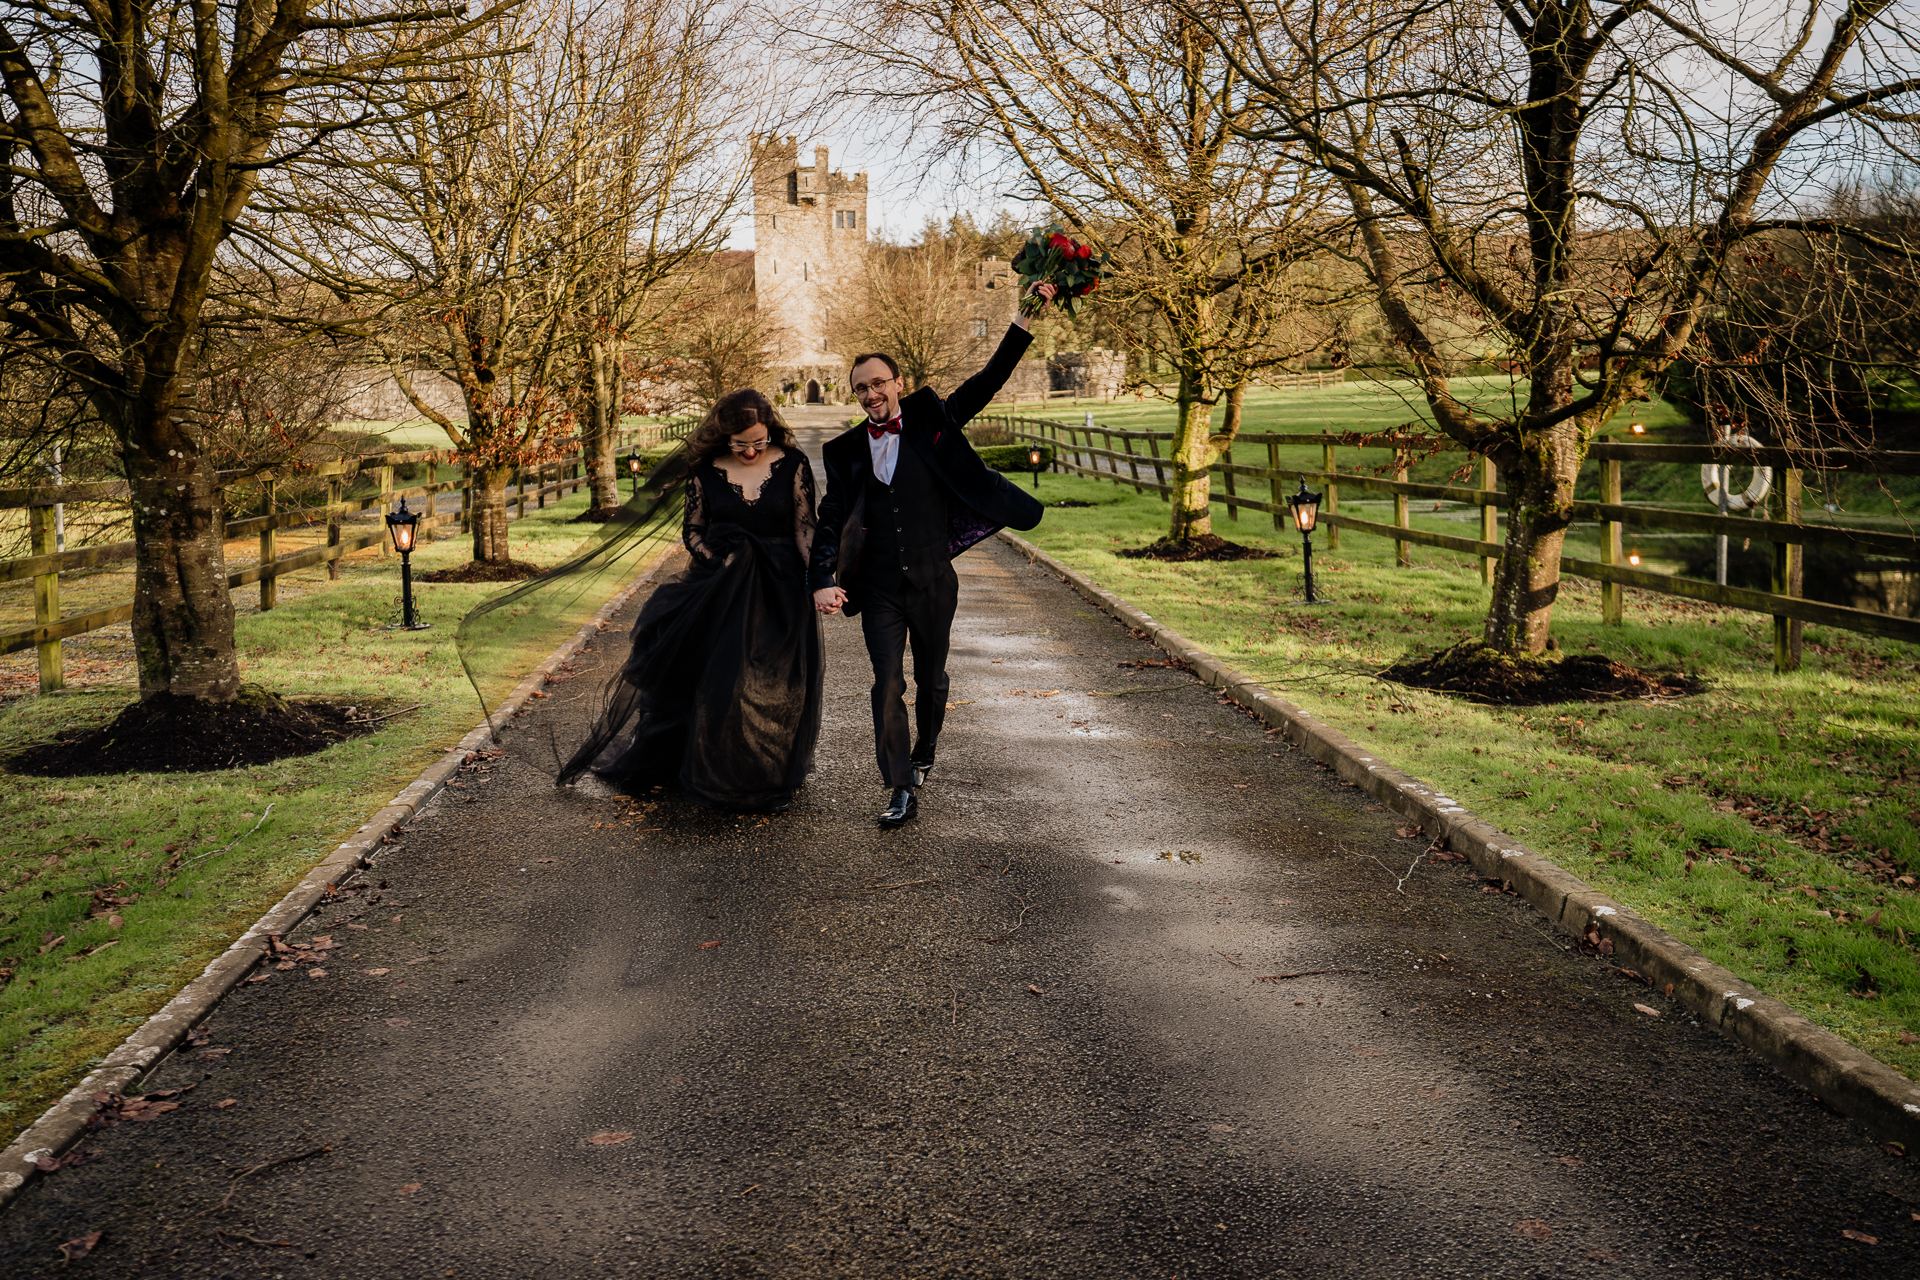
<point>1050,256</point>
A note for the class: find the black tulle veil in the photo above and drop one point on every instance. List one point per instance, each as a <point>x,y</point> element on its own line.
<point>490,637</point>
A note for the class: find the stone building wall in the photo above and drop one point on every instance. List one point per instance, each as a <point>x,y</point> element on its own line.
<point>377,396</point>
<point>809,227</point>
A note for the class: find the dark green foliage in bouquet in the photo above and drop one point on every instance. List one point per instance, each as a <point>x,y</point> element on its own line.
<point>1051,256</point>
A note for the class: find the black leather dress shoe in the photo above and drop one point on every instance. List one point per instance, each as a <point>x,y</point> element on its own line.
<point>901,808</point>
<point>920,772</point>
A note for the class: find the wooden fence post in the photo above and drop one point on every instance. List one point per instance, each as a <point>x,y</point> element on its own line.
<point>269,547</point>
<point>46,600</point>
<point>1276,487</point>
<point>1402,551</point>
<point>1787,564</point>
<point>1613,596</point>
<point>520,489</point>
<point>1133,468</point>
<point>466,498</point>
<point>336,497</point>
<point>1226,471</point>
<point>1489,517</point>
<point>1332,500</point>
<point>540,486</point>
<point>386,501</point>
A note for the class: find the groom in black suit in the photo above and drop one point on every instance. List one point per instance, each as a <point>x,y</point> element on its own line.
<point>906,493</point>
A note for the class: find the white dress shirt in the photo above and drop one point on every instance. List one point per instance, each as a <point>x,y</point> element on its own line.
<point>885,450</point>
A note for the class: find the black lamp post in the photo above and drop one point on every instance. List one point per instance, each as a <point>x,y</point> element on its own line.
<point>404,525</point>
<point>633,469</point>
<point>1033,460</point>
<point>1305,507</point>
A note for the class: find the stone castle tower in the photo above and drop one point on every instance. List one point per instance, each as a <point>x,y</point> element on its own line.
<point>809,230</point>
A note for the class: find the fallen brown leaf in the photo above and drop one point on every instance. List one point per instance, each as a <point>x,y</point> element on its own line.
<point>376,973</point>
<point>409,1189</point>
<point>1650,1012</point>
<point>224,1103</point>
<point>79,1247</point>
<point>1861,1236</point>
<point>316,973</point>
<point>1037,991</point>
<point>399,1022</point>
<point>1533,1229</point>
<point>609,1139</point>
<point>704,946</point>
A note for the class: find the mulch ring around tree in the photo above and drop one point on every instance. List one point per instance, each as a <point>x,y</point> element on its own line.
<point>484,571</point>
<point>1486,675</point>
<point>170,734</point>
<point>1204,546</point>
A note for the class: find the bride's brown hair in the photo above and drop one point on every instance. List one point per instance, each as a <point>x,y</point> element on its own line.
<point>731,414</point>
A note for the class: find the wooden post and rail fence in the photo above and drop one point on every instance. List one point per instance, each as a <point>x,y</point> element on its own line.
<point>45,562</point>
<point>1138,461</point>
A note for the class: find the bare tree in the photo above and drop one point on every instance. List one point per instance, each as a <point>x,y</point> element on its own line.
<point>137,135</point>
<point>720,339</point>
<point>655,163</point>
<point>1129,122</point>
<point>1588,175</point>
<point>919,302</point>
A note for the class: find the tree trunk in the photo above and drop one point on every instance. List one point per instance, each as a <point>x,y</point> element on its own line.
<point>1527,580</point>
<point>182,610</point>
<point>1192,514</point>
<point>490,514</point>
<point>603,416</point>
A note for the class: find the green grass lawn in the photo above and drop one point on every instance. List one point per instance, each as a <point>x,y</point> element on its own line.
<point>1367,406</point>
<point>1745,820</point>
<point>84,966</point>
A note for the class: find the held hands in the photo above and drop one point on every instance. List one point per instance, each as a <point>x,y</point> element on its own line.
<point>1046,290</point>
<point>828,600</point>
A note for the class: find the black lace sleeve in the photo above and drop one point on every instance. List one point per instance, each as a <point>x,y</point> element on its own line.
<point>803,507</point>
<point>693,527</point>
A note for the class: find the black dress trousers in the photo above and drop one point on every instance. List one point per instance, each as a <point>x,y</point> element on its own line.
<point>897,617</point>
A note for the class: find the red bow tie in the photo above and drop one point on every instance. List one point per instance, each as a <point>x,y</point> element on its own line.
<point>891,427</point>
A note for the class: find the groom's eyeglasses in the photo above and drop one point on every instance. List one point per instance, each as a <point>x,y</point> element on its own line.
<point>861,388</point>
<point>750,446</point>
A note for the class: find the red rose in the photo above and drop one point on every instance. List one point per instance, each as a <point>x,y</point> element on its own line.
<point>1088,287</point>
<point>1059,241</point>
<point>1086,251</point>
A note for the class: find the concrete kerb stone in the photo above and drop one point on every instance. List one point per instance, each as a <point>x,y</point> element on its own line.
<point>62,1124</point>
<point>1842,1077</point>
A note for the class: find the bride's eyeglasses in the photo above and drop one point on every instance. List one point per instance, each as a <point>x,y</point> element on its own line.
<point>751,446</point>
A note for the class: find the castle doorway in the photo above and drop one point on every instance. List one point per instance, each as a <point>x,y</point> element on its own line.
<point>813,391</point>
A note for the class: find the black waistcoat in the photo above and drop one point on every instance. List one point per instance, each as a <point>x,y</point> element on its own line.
<point>906,525</point>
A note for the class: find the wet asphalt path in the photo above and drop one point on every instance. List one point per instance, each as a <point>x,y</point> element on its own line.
<point>1025,1036</point>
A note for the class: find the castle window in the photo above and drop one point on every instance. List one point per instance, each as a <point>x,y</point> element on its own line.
<point>793,188</point>
<point>979,328</point>
<point>806,271</point>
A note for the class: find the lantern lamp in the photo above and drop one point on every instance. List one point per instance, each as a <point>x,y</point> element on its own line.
<point>1033,460</point>
<point>1304,504</point>
<point>1633,557</point>
<point>404,528</point>
<point>1638,428</point>
<point>633,470</point>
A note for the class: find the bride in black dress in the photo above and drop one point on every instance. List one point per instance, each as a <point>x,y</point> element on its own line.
<point>720,697</point>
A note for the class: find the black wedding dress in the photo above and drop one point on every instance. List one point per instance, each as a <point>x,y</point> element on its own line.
<point>721,695</point>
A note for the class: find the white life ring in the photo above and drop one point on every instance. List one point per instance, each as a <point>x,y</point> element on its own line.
<point>1757,488</point>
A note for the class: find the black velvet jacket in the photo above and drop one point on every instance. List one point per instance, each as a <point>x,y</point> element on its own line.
<point>980,500</point>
